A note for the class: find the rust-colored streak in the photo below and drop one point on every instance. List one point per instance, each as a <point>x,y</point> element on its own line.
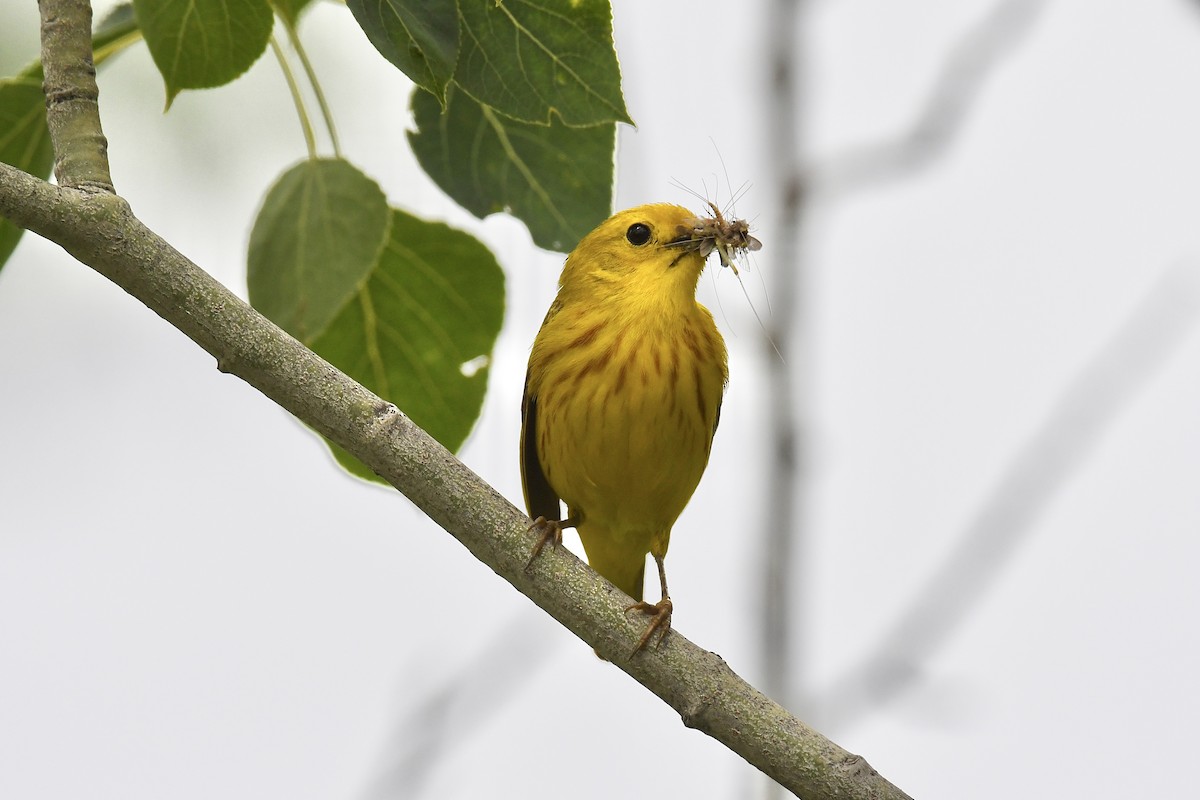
<point>595,365</point>
<point>689,338</point>
<point>700,401</point>
<point>588,336</point>
<point>619,384</point>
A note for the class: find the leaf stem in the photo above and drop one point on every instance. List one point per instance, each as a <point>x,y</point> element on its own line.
<point>294,39</point>
<point>109,50</point>
<point>310,138</point>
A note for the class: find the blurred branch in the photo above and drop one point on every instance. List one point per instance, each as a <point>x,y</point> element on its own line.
<point>956,89</point>
<point>1054,453</point>
<point>787,409</point>
<point>791,388</point>
<point>98,229</point>
<point>789,366</point>
<point>791,385</point>
<point>459,706</point>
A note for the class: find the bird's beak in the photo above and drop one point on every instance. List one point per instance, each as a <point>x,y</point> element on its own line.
<point>702,235</point>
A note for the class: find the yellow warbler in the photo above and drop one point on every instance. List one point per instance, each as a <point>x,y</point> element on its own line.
<point>624,389</point>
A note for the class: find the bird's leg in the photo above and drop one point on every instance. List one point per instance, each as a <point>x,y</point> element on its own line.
<point>549,532</point>
<point>660,619</point>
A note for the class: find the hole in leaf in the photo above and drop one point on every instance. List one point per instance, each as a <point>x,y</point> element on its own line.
<point>470,368</point>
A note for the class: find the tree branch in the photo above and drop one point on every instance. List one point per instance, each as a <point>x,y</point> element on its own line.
<point>785,530</point>
<point>100,230</point>
<point>72,97</point>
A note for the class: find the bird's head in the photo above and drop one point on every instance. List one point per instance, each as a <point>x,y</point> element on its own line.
<point>650,254</point>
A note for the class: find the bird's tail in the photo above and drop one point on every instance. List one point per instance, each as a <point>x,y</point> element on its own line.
<point>620,559</point>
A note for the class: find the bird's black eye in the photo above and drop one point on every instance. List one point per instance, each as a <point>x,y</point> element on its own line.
<point>638,234</point>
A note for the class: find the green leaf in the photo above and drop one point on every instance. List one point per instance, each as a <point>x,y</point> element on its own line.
<point>419,36</point>
<point>24,138</point>
<point>290,10</point>
<point>557,180</point>
<point>315,241</point>
<point>420,332</point>
<point>198,44</point>
<point>527,59</point>
<point>119,23</point>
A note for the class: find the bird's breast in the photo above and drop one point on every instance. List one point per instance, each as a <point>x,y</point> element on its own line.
<point>626,415</point>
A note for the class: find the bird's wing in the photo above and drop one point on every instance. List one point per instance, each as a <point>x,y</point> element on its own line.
<point>540,499</point>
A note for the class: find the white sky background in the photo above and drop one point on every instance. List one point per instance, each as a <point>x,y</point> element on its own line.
<point>195,603</point>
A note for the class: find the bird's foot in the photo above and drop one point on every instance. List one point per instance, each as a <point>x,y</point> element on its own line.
<point>549,532</point>
<point>660,622</point>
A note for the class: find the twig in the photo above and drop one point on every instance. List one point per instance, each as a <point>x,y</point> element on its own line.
<point>785,532</point>
<point>783,520</point>
<point>72,97</point>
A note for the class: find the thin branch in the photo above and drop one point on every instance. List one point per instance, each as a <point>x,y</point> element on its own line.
<point>1053,454</point>
<point>791,388</point>
<point>783,526</point>
<point>792,385</point>
<point>101,231</point>
<point>72,97</point>
<point>930,136</point>
<point>786,534</point>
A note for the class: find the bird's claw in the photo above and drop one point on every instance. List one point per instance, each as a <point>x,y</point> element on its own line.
<point>549,532</point>
<point>660,622</point>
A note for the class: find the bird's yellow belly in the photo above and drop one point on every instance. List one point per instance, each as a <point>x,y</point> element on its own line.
<point>626,451</point>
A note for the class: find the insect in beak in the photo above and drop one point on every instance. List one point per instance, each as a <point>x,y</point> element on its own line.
<point>729,237</point>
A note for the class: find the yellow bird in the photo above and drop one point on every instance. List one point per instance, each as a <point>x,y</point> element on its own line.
<point>623,392</point>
